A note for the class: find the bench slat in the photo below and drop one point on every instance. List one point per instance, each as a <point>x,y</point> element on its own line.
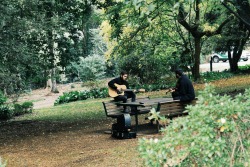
<point>173,108</point>
<point>113,110</point>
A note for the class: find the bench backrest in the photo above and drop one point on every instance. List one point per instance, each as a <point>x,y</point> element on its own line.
<point>113,110</point>
<point>172,108</point>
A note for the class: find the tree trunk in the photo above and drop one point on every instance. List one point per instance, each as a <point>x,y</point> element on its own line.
<point>196,67</point>
<point>233,61</point>
<point>53,80</point>
<point>234,66</point>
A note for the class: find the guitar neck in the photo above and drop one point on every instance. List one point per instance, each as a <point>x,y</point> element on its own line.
<point>128,90</point>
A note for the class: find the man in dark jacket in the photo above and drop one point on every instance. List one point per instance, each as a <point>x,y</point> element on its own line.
<point>116,85</point>
<point>184,90</point>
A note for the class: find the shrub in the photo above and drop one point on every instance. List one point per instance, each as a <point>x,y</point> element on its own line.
<point>20,109</point>
<point>3,99</point>
<point>27,107</point>
<point>6,112</point>
<point>215,133</point>
<point>82,95</point>
<point>89,68</point>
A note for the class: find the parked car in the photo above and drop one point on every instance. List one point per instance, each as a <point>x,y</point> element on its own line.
<point>222,56</point>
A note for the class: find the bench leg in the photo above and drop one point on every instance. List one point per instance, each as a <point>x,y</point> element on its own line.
<point>158,126</point>
<point>136,122</point>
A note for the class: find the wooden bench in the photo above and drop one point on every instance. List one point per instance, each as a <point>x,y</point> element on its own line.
<point>171,109</point>
<point>113,110</point>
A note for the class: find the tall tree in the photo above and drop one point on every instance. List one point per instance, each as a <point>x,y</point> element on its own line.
<point>198,20</point>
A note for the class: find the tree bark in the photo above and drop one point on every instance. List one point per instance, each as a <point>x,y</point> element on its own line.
<point>196,68</point>
<point>53,80</point>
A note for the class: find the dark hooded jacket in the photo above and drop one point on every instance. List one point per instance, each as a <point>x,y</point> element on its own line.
<point>185,89</point>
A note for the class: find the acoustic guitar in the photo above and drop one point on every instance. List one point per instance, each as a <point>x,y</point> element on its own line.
<point>123,89</point>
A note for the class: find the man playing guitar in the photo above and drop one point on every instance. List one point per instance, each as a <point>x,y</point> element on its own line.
<point>121,94</point>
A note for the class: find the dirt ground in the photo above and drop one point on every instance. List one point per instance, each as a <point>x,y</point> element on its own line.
<point>61,144</point>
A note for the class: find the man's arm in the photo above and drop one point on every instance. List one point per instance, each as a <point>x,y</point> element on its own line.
<point>111,84</point>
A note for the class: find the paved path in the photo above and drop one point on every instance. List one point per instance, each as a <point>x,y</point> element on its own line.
<point>221,66</point>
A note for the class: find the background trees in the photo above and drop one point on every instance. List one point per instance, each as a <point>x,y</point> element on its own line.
<point>176,29</point>
<point>149,38</point>
<point>38,39</point>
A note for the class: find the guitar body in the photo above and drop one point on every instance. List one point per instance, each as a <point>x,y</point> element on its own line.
<point>113,93</point>
<point>122,88</point>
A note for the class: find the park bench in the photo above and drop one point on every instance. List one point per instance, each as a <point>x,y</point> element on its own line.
<point>171,109</point>
<point>114,110</point>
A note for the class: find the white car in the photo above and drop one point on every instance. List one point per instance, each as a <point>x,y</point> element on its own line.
<point>222,56</point>
<point>246,53</point>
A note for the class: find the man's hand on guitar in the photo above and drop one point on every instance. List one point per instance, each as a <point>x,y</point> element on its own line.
<point>170,90</point>
<point>118,91</point>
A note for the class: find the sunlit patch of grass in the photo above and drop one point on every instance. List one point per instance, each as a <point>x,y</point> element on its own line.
<point>70,112</point>
<point>232,84</point>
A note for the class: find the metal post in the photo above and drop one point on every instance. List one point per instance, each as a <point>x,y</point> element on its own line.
<point>211,64</point>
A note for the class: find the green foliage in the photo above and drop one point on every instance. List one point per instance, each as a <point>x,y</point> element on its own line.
<point>6,112</point>
<point>28,107</point>
<point>245,69</point>
<point>89,68</point>
<point>9,111</point>
<point>82,95</point>
<point>215,133</point>
<point>3,99</point>
<point>25,108</point>
<point>216,75</point>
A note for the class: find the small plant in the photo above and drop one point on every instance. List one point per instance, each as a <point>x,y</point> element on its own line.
<point>155,116</point>
<point>3,99</point>
<point>6,112</point>
<point>27,107</point>
<point>20,109</point>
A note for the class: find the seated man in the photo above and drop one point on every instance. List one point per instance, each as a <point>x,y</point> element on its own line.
<point>118,84</point>
<point>184,90</point>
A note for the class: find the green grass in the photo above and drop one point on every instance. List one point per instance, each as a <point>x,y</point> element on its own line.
<point>69,112</point>
<point>93,109</point>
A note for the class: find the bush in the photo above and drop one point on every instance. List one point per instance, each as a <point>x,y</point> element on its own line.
<point>215,133</point>
<point>3,99</point>
<point>27,107</point>
<point>82,95</point>
<point>20,109</point>
<point>89,68</point>
<point>6,112</point>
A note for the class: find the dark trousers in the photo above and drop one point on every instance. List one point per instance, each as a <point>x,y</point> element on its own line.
<point>176,95</point>
<point>124,98</point>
